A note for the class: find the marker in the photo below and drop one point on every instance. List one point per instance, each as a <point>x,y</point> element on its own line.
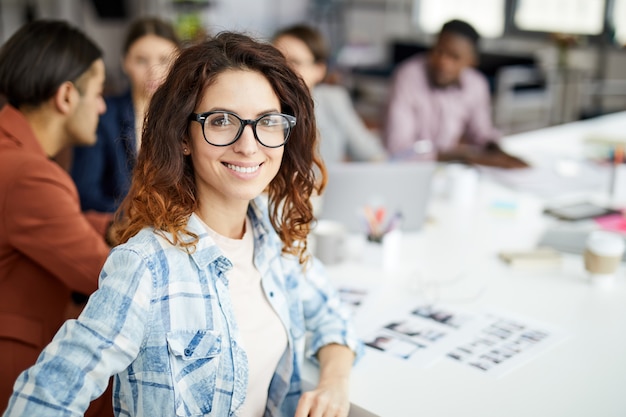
<point>371,220</point>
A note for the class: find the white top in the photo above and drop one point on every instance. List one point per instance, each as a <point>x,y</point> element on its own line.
<point>263,335</point>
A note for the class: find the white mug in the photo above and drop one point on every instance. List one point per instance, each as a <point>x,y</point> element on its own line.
<point>461,184</point>
<point>329,241</point>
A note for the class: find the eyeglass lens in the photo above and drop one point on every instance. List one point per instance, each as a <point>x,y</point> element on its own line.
<point>223,128</point>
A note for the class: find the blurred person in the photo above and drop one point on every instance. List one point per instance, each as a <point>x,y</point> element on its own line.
<point>204,306</point>
<point>439,105</point>
<point>52,76</point>
<point>343,134</point>
<point>102,172</point>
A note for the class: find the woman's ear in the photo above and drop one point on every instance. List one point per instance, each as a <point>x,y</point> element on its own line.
<point>186,150</point>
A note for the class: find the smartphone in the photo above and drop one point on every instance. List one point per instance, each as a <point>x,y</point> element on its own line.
<point>579,211</point>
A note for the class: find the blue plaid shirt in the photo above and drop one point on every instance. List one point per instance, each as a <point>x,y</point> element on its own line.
<point>162,323</point>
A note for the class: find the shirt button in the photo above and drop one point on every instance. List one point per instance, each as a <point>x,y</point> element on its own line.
<point>187,352</point>
<point>271,293</point>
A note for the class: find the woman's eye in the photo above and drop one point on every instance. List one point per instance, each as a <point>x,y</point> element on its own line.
<point>272,121</point>
<point>222,120</point>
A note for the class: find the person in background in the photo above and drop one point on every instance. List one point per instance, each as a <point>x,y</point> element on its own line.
<point>343,134</point>
<point>102,172</point>
<point>439,105</point>
<point>48,247</point>
<point>204,306</point>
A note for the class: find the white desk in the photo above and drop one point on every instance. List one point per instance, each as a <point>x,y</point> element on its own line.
<point>567,139</point>
<point>584,375</point>
<point>560,153</point>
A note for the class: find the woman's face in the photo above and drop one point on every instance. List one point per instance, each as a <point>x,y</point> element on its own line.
<point>231,176</point>
<point>146,63</point>
<point>301,59</point>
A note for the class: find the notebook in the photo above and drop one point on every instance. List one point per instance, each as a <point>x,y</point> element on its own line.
<point>399,187</point>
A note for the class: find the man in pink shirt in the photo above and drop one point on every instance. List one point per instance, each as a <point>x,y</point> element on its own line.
<point>439,105</point>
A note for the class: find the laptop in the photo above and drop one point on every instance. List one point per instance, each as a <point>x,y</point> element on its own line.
<point>398,187</point>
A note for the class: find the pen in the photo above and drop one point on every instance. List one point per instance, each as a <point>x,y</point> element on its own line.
<point>394,222</point>
<point>371,221</point>
<point>376,219</point>
<point>380,215</point>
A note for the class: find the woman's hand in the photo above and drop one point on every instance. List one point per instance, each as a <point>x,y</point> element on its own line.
<point>329,399</point>
<point>331,396</point>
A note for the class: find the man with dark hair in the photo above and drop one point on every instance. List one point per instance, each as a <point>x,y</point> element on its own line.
<point>439,105</point>
<point>52,77</point>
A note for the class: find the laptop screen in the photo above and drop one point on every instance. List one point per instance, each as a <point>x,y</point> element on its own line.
<point>389,188</point>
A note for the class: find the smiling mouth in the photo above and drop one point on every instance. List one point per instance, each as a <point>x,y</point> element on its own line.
<point>244,170</point>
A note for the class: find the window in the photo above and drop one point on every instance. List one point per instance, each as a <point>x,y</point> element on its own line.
<point>619,21</point>
<point>487,16</point>
<point>584,17</point>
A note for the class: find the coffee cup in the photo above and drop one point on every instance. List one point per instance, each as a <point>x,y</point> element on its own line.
<point>603,254</point>
<point>462,183</point>
<point>329,241</point>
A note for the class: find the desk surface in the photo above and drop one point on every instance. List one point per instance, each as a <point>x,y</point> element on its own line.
<point>583,375</point>
<point>566,140</point>
<point>558,155</point>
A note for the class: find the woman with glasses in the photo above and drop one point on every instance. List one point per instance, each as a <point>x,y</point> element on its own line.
<point>204,306</point>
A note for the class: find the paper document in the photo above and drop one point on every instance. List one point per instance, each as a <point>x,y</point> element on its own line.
<point>550,179</point>
<point>421,334</point>
<point>505,342</point>
<point>491,342</point>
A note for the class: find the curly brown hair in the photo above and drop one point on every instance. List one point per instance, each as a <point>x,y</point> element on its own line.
<point>163,191</point>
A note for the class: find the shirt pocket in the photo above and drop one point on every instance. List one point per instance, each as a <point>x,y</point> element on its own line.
<point>194,360</point>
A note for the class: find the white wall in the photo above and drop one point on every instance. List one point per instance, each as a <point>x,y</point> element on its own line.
<point>260,18</point>
<point>369,24</point>
<point>12,13</point>
<point>108,34</point>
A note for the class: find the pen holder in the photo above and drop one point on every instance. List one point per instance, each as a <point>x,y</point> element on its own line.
<point>383,252</point>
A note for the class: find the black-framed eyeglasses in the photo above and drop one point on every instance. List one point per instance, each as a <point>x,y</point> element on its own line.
<point>223,128</point>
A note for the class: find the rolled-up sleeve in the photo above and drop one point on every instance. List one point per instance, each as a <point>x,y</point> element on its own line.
<point>326,317</point>
<point>75,367</point>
